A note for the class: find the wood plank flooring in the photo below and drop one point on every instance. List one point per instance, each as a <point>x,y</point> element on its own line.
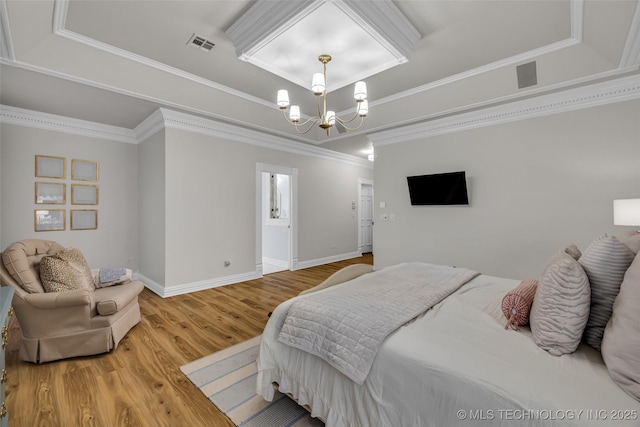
<point>140,383</point>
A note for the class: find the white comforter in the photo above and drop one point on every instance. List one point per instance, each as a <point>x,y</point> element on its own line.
<point>454,366</point>
<point>346,326</point>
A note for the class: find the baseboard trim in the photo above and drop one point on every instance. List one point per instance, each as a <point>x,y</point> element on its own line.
<point>201,285</point>
<point>321,261</point>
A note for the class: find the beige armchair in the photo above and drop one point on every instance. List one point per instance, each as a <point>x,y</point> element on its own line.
<point>57,325</point>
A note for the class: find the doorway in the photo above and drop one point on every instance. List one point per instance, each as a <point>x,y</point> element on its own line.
<point>275,218</point>
<point>365,216</point>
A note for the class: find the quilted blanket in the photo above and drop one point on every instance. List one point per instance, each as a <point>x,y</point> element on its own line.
<point>345,325</point>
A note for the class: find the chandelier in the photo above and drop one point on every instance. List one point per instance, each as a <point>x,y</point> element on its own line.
<point>325,119</point>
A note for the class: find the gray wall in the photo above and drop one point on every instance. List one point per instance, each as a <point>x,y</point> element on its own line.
<point>534,186</point>
<point>115,242</point>
<point>211,206</point>
<point>151,205</point>
<point>177,205</point>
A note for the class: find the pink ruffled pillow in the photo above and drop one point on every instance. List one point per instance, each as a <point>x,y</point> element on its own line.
<point>516,304</point>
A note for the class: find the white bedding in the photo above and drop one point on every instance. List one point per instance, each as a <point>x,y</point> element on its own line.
<point>346,327</point>
<point>454,366</point>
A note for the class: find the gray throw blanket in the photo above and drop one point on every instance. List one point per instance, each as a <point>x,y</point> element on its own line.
<point>111,274</point>
<point>345,325</point>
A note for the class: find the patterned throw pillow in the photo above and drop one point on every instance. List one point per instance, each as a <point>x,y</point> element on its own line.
<point>560,307</point>
<point>605,261</point>
<point>67,270</point>
<point>516,304</point>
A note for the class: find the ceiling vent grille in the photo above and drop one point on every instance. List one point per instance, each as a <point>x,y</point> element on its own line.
<point>200,43</point>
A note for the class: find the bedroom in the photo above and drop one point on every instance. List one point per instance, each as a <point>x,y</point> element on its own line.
<point>536,183</point>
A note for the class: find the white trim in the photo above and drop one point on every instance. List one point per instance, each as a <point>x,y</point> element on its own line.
<point>361,182</point>
<point>517,59</point>
<point>185,288</point>
<point>622,89</point>
<point>576,18</point>
<point>34,119</point>
<point>177,120</point>
<point>163,102</point>
<point>149,126</point>
<point>59,18</point>
<point>631,53</point>
<point>163,118</point>
<point>293,223</point>
<point>6,43</point>
<point>321,261</point>
<point>153,286</point>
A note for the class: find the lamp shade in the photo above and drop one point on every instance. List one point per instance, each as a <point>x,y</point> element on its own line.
<point>317,83</point>
<point>360,91</point>
<point>283,98</point>
<point>363,108</point>
<point>626,212</point>
<point>294,114</point>
<point>331,117</point>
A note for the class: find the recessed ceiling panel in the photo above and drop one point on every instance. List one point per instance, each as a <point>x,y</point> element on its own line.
<point>362,42</point>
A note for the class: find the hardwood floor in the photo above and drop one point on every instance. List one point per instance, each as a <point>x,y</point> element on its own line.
<point>140,383</point>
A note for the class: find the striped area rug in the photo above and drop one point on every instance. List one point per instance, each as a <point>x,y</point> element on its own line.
<point>228,379</point>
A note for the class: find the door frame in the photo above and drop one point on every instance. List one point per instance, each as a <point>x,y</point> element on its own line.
<point>361,182</point>
<point>293,230</point>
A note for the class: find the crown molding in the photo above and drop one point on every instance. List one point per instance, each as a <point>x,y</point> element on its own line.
<point>631,53</point>
<point>386,23</point>
<point>576,18</point>
<point>619,90</point>
<point>264,26</point>
<point>187,122</point>
<point>611,91</point>
<point>266,18</point>
<point>38,120</point>
<point>163,119</point>
<point>6,44</point>
<point>149,126</point>
<point>59,20</point>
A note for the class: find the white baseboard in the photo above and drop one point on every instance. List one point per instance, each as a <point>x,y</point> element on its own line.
<point>201,285</point>
<point>326,260</point>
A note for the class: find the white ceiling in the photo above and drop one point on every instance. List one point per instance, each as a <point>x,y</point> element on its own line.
<point>115,62</point>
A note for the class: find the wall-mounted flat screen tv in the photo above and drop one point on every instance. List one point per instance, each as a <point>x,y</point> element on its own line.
<point>438,189</point>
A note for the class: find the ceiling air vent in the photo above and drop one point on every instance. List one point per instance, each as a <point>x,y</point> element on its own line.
<point>200,42</point>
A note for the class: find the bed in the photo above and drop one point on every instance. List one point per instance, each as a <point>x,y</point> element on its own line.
<point>454,365</point>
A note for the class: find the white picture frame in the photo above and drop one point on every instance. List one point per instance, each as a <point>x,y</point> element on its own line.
<point>49,219</point>
<point>51,167</point>
<point>83,194</point>
<point>84,219</point>
<point>50,193</point>
<point>84,170</point>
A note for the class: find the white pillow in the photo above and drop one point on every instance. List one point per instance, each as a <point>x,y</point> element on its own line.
<point>631,239</point>
<point>561,305</point>
<point>621,341</point>
<point>605,261</point>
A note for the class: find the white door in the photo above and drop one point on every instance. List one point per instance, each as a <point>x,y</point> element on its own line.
<point>366,217</point>
<point>276,234</point>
